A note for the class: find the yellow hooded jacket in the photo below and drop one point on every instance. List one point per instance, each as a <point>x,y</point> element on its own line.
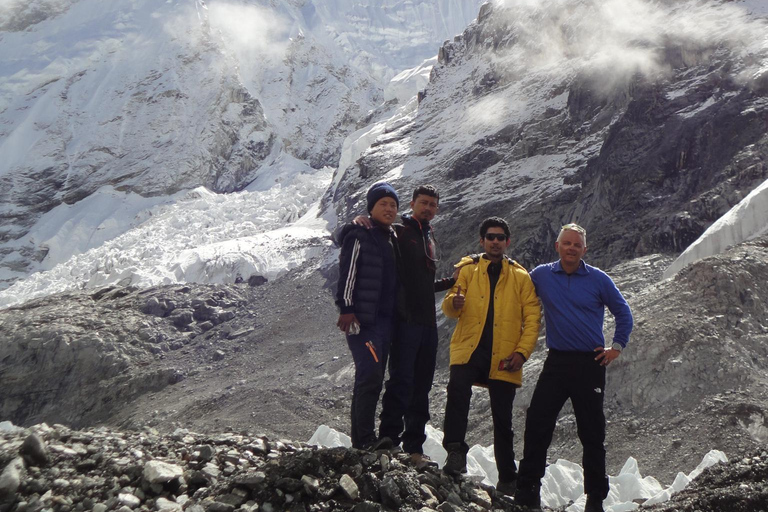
<point>516,316</point>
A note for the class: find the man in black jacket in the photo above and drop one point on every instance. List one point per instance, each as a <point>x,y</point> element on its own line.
<point>413,354</point>
<point>366,295</point>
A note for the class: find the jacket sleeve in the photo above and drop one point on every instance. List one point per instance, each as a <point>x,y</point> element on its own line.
<point>619,308</point>
<point>531,309</point>
<point>444,284</point>
<point>463,281</point>
<point>349,258</point>
<point>340,233</point>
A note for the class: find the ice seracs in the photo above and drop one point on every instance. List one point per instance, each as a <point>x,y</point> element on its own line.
<point>748,219</point>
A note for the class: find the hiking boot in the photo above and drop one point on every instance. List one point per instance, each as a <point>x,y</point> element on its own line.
<point>421,461</point>
<point>528,497</point>
<point>594,504</point>
<point>384,443</point>
<point>456,462</point>
<point>507,488</point>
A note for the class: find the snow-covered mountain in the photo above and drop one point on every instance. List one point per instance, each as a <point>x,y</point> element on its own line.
<point>150,99</point>
<point>644,121</point>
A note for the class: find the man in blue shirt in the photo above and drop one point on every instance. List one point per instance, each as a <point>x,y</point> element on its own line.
<point>574,296</point>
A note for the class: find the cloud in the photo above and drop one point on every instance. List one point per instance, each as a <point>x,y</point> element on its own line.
<point>246,31</point>
<point>624,36</point>
<point>248,27</point>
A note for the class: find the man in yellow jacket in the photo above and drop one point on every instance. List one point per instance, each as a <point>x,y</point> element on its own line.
<point>499,316</point>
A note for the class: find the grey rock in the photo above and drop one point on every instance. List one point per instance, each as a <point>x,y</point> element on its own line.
<point>34,451</point>
<point>481,497</point>
<point>204,453</point>
<point>211,471</point>
<point>311,484</point>
<point>233,498</point>
<point>10,479</point>
<point>153,307</point>
<point>251,480</point>
<point>218,506</point>
<point>390,493</point>
<point>166,505</point>
<point>129,500</point>
<point>349,487</point>
<point>448,507</point>
<point>158,472</point>
<point>367,506</point>
<point>255,280</point>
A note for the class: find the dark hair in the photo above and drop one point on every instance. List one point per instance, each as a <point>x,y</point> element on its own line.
<point>494,222</point>
<point>427,190</point>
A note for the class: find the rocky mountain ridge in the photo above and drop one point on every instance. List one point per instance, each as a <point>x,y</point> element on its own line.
<point>647,159</point>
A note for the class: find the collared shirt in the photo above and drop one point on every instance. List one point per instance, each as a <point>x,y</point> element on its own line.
<point>574,306</point>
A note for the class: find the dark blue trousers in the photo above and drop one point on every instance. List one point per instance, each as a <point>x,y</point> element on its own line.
<point>405,406</point>
<point>370,350</point>
<point>574,375</point>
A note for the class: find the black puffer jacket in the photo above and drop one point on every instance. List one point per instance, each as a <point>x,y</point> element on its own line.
<point>416,296</point>
<point>367,272</point>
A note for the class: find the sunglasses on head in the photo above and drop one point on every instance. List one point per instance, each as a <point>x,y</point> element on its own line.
<point>496,236</point>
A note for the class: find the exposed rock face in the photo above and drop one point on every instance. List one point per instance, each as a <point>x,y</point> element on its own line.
<point>645,161</point>
<point>81,357</point>
<point>170,356</point>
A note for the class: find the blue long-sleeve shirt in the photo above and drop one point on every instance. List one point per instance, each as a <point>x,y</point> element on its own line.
<point>574,307</point>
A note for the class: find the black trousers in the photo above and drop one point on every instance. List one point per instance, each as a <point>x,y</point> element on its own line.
<point>574,375</point>
<point>502,395</point>
<point>405,406</point>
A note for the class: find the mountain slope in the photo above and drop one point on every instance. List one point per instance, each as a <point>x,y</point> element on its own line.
<point>153,99</point>
<point>646,135</point>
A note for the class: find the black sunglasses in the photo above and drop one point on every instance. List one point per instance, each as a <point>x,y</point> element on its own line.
<point>496,236</point>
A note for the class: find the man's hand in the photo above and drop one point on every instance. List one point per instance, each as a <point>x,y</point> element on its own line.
<point>458,299</point>
<point>362,220</point>
<point>606,355</point>
<point>514,362</point>
<point>345,322</point>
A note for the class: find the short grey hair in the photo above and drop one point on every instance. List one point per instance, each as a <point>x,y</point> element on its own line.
<point>573,227</point>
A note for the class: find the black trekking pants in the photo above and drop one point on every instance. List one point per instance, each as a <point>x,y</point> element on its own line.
<point>502,395</point>
<point>574,375</point>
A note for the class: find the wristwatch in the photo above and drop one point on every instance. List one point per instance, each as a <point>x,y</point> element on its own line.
<point>617,346</point>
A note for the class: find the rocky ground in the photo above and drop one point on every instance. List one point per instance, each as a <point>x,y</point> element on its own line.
<point>59,469</point>
<point>269,359</point>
